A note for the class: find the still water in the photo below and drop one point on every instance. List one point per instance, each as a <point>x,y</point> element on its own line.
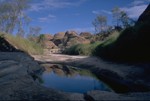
<point>79,81</point>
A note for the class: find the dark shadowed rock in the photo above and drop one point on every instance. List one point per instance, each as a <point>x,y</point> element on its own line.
<point>145,16</point>
<point>6,46</point>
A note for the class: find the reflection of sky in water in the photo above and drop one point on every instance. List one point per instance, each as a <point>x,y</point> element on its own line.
<point>77,83</point>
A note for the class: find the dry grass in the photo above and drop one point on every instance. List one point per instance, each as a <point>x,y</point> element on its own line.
<point>23,44</point>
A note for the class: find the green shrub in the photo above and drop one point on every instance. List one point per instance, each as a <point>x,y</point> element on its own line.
<point>82,49</point>
<point>89,49</point>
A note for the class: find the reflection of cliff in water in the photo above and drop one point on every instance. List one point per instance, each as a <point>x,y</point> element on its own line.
<point>63,70</point>
<point>70,79</point>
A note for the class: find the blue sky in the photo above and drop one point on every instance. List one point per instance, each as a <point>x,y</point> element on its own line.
<point>61,15</point>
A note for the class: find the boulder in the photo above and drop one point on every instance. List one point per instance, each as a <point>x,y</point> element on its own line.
<point>72,38</point>
<point>58,37</point>
<point>49,45</point>
<point>48,36</point>
<point>86,35</point>
<point>71,34</point>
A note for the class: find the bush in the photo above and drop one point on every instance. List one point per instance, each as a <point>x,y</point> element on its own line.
<point>82,49</point>
<point>90,49</point>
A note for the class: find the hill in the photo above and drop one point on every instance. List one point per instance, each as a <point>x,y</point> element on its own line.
<point>132,45</point>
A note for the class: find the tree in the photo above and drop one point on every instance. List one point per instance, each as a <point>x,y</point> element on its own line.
<point>20,32</point>
<point>41,39</point>
<point>121,18</point>
<point>116,15</point>
<point>12,15</point>
<point>100,23</point>
<point>125,20</point>
<point>34,32</point>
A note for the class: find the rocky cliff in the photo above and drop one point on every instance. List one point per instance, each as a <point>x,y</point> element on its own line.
<point>145,16</point>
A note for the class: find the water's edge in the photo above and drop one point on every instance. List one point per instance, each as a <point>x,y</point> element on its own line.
<point>71,79</point>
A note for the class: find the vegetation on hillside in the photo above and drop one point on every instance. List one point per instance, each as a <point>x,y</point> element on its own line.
<point>23,44</point>
<point>89,49</point>
<point>12,20</point>
<point>81,49</point>
<point>130,44</point>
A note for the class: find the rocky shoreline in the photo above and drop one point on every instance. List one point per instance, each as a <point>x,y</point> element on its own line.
<point>123,78</point>
<point>17,83</point>
<point>17,70</point>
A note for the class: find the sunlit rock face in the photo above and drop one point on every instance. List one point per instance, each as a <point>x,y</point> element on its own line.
<point>72,38</point>
<point>48,37</point>
<point>49,45</point>
<point>86,35</point>
<point>58,37</point>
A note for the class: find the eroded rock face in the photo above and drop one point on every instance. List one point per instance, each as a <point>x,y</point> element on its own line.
<point>71,34</point>
<point>72,38</point>
<point>58,37</point>
<point>49,45</point>
<point>86,35</point>
<point>48,37</point>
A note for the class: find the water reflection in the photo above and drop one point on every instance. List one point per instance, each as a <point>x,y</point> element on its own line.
<point>70,79</point>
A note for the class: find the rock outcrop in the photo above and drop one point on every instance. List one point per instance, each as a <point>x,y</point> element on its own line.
<point>58,37</point>
<point>19,80</point>
<point>66,39</point>
<point>48,36</point>
<point>86,35</point>
<point>145,16</point>
<point>72,38</point>
<point>49,45</point>
<point>47,42</point>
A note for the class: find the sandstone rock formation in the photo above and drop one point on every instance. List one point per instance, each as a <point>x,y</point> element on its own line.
<point>86,35</point>
<point>49,45</point>
<point>48,36</point>
<point>72,38</point>
<point>58,37</point>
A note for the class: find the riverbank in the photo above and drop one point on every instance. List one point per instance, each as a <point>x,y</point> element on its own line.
<point>17,72</point>
<point>122,78</point>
